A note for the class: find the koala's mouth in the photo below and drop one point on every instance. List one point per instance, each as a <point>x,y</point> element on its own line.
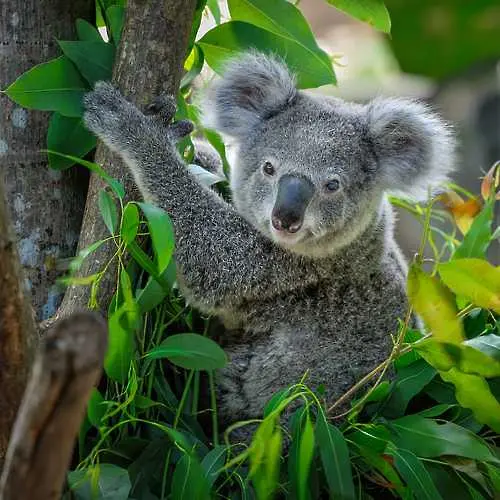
<point>287,238</point>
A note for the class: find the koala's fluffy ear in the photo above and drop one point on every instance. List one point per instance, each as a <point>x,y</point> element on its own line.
<point>254,87</point>
<point>414,147</point>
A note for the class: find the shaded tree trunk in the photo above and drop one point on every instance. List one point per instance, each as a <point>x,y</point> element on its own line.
<point>149,61</point>
<point>46,206</point>
<point>17,328</point>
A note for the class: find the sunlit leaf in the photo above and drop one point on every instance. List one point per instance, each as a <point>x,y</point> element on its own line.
<point>491,182</point>
<point>475,279</point>
<point>229,39</point>
<point>478,237</point>
<point>473,392</point>
<point>462,211</point>
<point>373,12</point>
<point>434,302</point>
<point>96,408</point>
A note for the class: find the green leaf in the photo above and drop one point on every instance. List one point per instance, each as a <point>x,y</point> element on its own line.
<point>213,6</point>
<point>121,348</point>
<point>265,453</point>
<point>52,86</point>
<point>193,65</point>
<point>161,232</point>
<point>213,462</point>
<point>464,357</point>
<point>96,408</point>
<point>306,453</point>
<point>102,482</point>
<point>108,210</point>
<point>335,459</point>
<point>373,12</point>
<point>189,481</point>
<point>473,392</point>
<point>478,237</point>
<point>131,308</point>
<point>474,279</point>
<point>87,32</point>
<point>410,381</point>
<point>487,344</point>
<point>434,302</point>
<point>94,60</point>
<point>116,17</point>
<point>281,18</point>
<point>427,438</point>
<point>115,185</point>
<point>154,293</point>
<point>414,474</point>
<point>69,136</point>
<point>83,254</point>
<point>229,39</point>
<point>191,351</point>
<point>130,223</point>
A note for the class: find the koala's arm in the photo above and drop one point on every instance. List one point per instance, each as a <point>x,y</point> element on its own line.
<point>222,259</point>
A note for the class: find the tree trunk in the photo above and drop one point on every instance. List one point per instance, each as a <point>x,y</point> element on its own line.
<point>149,61</point>
<point>46,206</point>
<point>67,367</point>
<point>17,329</point>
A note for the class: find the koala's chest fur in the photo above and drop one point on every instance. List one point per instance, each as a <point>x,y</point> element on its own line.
<point>324,330</point>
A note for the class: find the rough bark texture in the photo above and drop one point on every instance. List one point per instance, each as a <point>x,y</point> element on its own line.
<point>47,206</point>
<point>149,62</point>
<point>66,369</point>
<point>17,328</point>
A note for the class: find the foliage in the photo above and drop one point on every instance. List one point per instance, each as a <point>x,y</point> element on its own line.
<point>429,431</point>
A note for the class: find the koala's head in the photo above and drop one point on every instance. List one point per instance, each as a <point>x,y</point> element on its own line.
<point>310,172</point>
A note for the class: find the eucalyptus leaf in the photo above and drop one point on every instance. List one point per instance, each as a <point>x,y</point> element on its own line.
<point>52,86</point>
<point>191,351</point>
<point>67,135</point>
<point>229,39</point>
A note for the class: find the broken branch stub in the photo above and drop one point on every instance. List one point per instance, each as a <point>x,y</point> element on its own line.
<point>67,366</point>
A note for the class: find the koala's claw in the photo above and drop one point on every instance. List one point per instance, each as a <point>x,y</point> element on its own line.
<point>180,129</point>
<point>163,107</point>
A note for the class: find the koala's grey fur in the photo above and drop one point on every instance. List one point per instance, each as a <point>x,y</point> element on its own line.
<point>326,299</point>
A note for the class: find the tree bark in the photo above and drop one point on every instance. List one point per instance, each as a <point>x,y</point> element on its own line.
<point>67,367</point>
<point>149,61</point>
<point>17,329</point>
<point>46,206</point>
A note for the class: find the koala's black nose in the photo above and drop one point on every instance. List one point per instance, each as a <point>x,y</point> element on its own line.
<point>294,194</point>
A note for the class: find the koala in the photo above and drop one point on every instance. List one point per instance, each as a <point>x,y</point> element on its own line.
<point>301,267</point>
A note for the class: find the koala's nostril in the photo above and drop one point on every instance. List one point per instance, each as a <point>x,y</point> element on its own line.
<point>293,228</point>
<point>291,225</point>
<point>276,223</point>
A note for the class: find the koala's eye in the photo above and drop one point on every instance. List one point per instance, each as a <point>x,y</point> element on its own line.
<point>332,185</point>
<point>268,168</point>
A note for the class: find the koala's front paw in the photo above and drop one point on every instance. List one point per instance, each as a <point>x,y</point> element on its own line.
<point>107,113</point>
<point>162,111</point>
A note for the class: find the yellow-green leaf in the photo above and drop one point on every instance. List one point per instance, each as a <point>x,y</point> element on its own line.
<point>435,304</point>
<point>475,279</point>
<point>473,392</point>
